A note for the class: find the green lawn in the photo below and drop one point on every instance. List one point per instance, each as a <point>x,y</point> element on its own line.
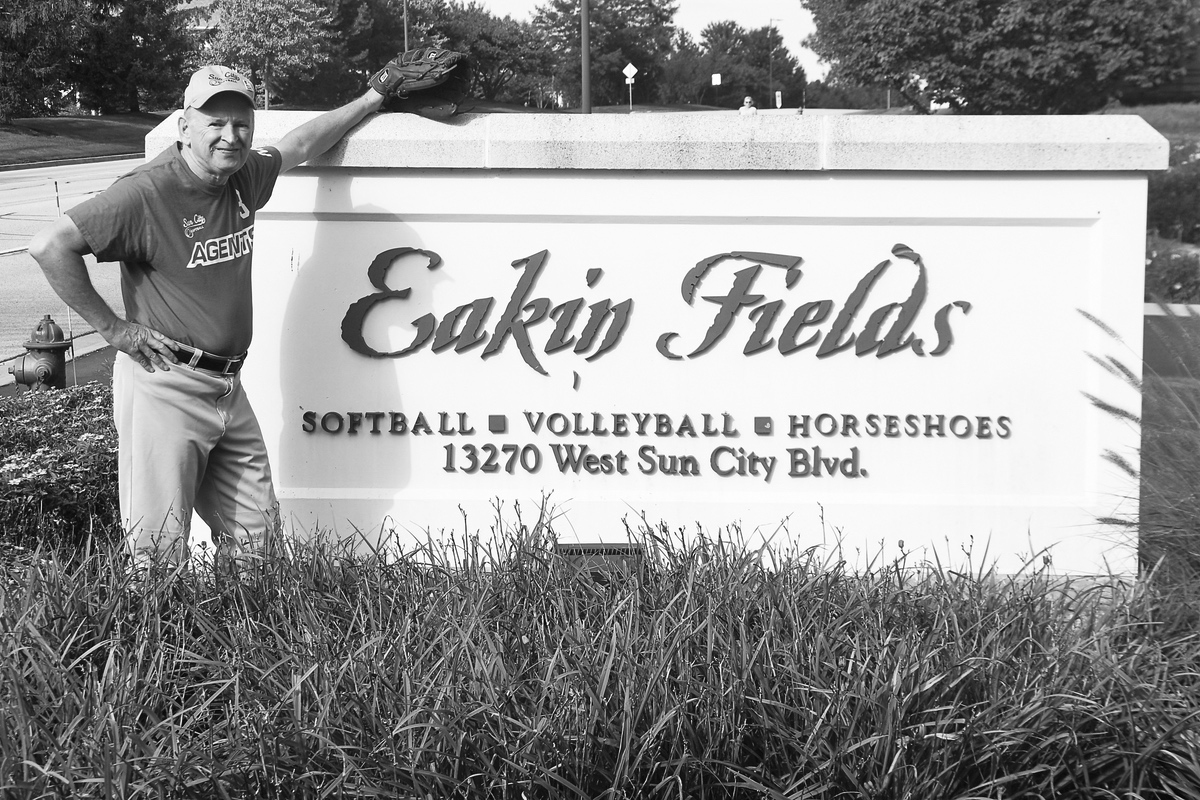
<point>30,141</point>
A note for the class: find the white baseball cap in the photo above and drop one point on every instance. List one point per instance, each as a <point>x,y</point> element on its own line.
<point>215,79</point>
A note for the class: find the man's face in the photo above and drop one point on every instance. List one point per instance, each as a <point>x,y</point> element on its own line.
<point>217,136</point>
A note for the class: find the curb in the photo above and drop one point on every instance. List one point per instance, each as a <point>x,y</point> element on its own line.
<point>68,161</point>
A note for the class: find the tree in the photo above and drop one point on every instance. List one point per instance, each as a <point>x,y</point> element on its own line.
<point>724,46</point>
<point>621,32</point>
<point>131,50</point>
<point>684,77</point>
<point>1005,56</point>
<point>751,62</point>
<point>272,39</point>
<point>363,36</point>
<point>37,38</point>
<point>505,54</point>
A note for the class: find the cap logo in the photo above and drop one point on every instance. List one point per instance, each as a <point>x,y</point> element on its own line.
<point>214,79</point>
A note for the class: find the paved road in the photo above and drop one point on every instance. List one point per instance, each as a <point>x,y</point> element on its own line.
<point>30,199</point>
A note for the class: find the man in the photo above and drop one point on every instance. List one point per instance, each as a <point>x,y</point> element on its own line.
<point>182,227</point>
<point>747,106</point>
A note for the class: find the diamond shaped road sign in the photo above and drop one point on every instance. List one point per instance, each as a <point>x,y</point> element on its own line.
<point>630,70</point>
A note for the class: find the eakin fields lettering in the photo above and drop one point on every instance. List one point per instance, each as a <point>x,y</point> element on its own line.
<point>886,331</point>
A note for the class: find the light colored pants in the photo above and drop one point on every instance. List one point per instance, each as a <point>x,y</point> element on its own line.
<point>188,439</point>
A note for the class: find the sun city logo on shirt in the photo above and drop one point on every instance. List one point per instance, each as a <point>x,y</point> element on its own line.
<point>193,225</point>
<point>222,249</point>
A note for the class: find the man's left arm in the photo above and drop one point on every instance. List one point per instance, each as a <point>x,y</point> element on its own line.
<point>318,135</point>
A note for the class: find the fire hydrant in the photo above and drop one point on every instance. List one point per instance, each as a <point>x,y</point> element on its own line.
<point>44,366</point>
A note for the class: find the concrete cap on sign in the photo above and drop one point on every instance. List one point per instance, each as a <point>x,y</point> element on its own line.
<point>1012,143</point>
<point>778,140</point>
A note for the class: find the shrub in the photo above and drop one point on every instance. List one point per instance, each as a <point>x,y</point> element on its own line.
<point>1173,204</point>
<point>1172,271</point>
<point>58,467</point>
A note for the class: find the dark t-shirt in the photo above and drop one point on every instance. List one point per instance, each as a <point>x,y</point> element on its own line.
<point>185,247</point>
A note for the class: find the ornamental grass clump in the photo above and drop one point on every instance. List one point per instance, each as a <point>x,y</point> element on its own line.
<point>507,670</point>
<point>1167,526</point>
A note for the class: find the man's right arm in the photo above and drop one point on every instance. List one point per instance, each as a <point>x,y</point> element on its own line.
<point>59,251</point>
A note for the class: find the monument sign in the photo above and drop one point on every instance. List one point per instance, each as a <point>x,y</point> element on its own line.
<point>876,331</point>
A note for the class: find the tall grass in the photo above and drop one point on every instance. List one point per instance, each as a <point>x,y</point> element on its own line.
<point>461,671</point>
<point>1167,525</point>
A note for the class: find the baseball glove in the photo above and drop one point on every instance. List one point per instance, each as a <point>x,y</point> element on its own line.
<point>428,80</point>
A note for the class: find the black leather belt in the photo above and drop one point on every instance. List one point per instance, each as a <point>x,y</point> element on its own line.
<point>198,359</point>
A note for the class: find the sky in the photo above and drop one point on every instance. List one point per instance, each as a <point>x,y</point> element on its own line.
<point>792,21</point>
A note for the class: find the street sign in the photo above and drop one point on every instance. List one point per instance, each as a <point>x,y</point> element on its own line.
<point>778,99</point>
<point>630,70</point>
<point>716,79</point>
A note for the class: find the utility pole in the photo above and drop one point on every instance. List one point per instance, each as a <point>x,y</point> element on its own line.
<point>585,51</point>
<point>406,24</point>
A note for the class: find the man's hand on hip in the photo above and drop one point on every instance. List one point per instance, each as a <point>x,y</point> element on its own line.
<point>146,346</point>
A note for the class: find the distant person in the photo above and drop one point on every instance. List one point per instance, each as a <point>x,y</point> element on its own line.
<point>182,227</point>
<point>747,106</point>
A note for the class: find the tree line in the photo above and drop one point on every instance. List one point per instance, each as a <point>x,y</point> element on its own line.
<point>131,55</point>
<point>976,56</point>
<point>1007,56</point>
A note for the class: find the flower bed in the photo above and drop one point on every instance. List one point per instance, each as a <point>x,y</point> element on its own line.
<point>58,466</point>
